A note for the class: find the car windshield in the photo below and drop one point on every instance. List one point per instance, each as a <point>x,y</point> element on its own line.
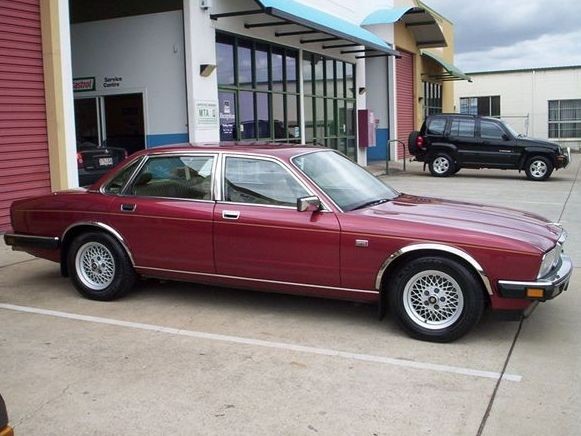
<point>511,129</point>
<point>346,183</point>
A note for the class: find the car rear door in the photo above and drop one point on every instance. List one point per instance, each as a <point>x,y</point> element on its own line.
<point>462,133</point>
<point>165,213</point>
<point>259,234</point>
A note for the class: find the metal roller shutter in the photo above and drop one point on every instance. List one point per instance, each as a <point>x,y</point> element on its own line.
<point>405,98</point>
<point>24,164</point>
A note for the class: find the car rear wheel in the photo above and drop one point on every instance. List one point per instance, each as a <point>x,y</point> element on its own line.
<point>539,168</point>
<point>100,268</point>
<point>441,165</point>
<point>436,299</point>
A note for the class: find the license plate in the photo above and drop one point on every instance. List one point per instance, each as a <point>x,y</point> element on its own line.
<point>105,161</point>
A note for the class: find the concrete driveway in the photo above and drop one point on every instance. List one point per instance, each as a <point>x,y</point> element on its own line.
<point>182,359</point>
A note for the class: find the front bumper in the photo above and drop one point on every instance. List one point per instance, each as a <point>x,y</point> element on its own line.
<point>563,160</point>
<point>544,289</point>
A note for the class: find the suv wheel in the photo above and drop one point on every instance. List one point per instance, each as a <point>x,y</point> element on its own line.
<point>538,168</point>
<point>441,165</point>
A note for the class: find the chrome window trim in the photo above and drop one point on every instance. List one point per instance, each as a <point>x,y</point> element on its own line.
<point>434,247</point>
<point>106,227</point>
<point>276,160</point>
<point>278,282</point>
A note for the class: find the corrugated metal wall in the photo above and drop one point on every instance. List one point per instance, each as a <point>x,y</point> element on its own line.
<point>24,164</point>
<point>405,97</point>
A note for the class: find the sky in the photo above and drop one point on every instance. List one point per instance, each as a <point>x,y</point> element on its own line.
<point>513,34</point>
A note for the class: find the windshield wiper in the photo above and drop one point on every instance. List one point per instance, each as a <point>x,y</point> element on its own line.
<point>371,203</point>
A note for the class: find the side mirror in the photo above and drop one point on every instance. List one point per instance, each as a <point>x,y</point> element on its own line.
<point>505,137</point>
<point>308,204</point>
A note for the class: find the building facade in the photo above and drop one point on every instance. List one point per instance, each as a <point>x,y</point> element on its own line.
<point>543,102</point>
<point>138,74</point>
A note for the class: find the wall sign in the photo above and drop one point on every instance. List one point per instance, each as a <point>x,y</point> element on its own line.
<point>84,84</point>
<point>206,114</point>
<point>112,82</point>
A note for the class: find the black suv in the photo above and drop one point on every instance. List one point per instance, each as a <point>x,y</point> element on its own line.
<point>449,142</point>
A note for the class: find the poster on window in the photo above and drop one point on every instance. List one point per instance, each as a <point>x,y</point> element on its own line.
<point>227,116</point>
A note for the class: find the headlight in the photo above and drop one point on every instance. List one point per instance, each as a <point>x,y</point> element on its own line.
<point>550,260</point>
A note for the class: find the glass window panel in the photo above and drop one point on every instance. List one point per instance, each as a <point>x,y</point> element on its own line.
<point>331,118</point>
<point>292,113</point>
<point>277,69</point>
<point>341,118</point>
<point>319,119</point>
<point>351,150</point>
<point>261,66</point>
<point>257,181</point>
<point>350,118</point>
<point>308,73</point>
<point>553,130</point>
<point>484,106</point>
<point>490,130</point>
<point>495,106</point>
<point>309,120</point>
<point>436,126</point>
<point>342,145</point>
<point>225,59</point>
<point>263,114</point>
<point>340,79</point>
<point>349,80</point>
<point>175,177</point>
<point>116,185</point>
<point>319,75</point>
<point>463,128</point>
<point>278,109</point>
<point>247,124</point>
<point>291,72</point>
<point>330,77</point>
<point>553,110</point>
<point>331,143</point>
<point>245,63</point>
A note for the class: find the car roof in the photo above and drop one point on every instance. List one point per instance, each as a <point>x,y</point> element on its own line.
<point>283,150</point>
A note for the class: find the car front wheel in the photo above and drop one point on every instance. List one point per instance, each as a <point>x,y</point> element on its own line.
<point>538,168</point>
<point>100,268</point>
<point>441,165</point>
<point>436,299</point>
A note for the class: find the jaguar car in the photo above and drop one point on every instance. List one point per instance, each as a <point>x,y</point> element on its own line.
<point>297,220</point>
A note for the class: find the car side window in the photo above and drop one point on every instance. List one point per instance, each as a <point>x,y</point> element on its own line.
<point>490,130</point>
<point>115,186</point>
<point>258,181</point>
<point>188,177</point>
<point>436,126</point>
<point>463,127</point>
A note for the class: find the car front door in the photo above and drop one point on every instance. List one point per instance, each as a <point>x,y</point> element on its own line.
<point>165,213</point>
<point>259,234</point>
<point>500,148</point>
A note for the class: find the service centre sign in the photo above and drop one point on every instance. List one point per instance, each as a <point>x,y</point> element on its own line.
<point>84,84</point>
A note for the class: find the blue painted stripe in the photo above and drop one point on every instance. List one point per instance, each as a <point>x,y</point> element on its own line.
<point>166,138</point>
<point>381,149</point>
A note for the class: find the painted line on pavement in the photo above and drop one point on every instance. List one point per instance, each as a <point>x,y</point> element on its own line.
<point>267,344</point>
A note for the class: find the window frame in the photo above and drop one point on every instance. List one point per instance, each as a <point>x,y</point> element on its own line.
<point>558,122</point>
<point>469,100</point>
<point>222,182</point>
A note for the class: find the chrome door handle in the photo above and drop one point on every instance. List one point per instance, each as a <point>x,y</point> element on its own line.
<point>230,214</point>
<point>128,207</point>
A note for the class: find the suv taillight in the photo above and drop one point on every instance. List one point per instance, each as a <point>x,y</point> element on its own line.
<point>420,142</point>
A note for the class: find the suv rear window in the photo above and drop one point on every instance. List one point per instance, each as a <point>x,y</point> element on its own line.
<point>463,127</point>
<point>436,126</point>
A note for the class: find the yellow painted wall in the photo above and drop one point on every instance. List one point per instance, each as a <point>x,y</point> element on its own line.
<point>53,85</point>
<point>405,40</point>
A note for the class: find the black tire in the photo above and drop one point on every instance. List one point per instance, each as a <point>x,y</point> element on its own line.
<point>110,274</point>
<point>457,169</point>
<point>441,165</point>
<point>459,311</point>
<point>538,168</point>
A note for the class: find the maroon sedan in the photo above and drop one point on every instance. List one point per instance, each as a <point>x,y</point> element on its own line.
<point>299,220</point>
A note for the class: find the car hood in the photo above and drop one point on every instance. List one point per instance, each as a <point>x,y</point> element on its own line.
<point>541,142</point>
<point>465,223</point>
